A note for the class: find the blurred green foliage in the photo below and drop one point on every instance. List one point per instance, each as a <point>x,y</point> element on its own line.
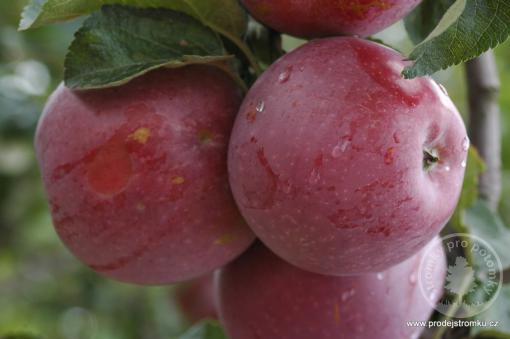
<point>44,291</point>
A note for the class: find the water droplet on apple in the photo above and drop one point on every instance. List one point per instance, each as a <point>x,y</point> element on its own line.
<point>261,105</point>
<point>432,294</point>
<point>443,89</point>
<point>285,75</point>
<point>380,276</point>
<point>339,149</point>
<point>463,163</point>
<point>348,294</point>
<point>465,144</point>
<point>315,176</point>
<point>447,168</point>
<point>396,138</point>
<point>412,279</point>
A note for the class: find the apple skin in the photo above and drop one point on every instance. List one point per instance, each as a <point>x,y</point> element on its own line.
<point>326,158</point>
<point>320,18</point>
<point>262,296</point>
<point>136,175</point>
<point>196,299</point>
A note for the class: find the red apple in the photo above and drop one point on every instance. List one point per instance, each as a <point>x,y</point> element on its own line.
<point>136,175</point>
<point>319,18</point>
<point>263,297</point>
<point>196,299</point>
<point>340,165</point>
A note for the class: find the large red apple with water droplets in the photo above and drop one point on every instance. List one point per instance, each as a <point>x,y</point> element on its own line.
<point>262,296</point>
<point>136,175</point>
<point>319,18</point>
<point>341,166</point>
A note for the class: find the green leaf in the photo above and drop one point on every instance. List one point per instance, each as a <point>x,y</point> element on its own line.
<point>120,43</point>
<point>487,225</point>
<point>468,28</point>
<point>420,22</point>
<point>224,16</point>
<point>475,166</point>
<point>499,311</point>
<point>204,330</point>
<point>30,12</point>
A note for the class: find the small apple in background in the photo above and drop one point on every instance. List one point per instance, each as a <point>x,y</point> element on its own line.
<point>320,18</point>
<point>136,175</point>
<point>196,299</point>
<point>262,296</point>
<point>339,165</point>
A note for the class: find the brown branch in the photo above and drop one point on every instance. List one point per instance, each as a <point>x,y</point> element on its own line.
<point>485,122</point>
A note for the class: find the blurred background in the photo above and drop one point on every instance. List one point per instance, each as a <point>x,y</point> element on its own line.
<point>43,289</point>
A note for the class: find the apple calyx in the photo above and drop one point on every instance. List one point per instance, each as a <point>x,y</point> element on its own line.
<point>430,158</point>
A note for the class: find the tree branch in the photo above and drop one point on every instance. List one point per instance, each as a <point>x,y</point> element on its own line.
<point>485,125</point>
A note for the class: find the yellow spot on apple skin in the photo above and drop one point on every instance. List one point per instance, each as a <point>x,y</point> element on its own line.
<point>140,207</point>
<point>225,239</point>
<point>337,314</point>
<point>205,136</point>
<point>141,135</point>
<point>362,9</point>
<point>178,180</point>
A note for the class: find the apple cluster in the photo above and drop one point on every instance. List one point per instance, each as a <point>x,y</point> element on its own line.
<point>343,170</point>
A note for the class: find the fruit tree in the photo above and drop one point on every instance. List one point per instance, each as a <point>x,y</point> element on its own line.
<point>302,173</point>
